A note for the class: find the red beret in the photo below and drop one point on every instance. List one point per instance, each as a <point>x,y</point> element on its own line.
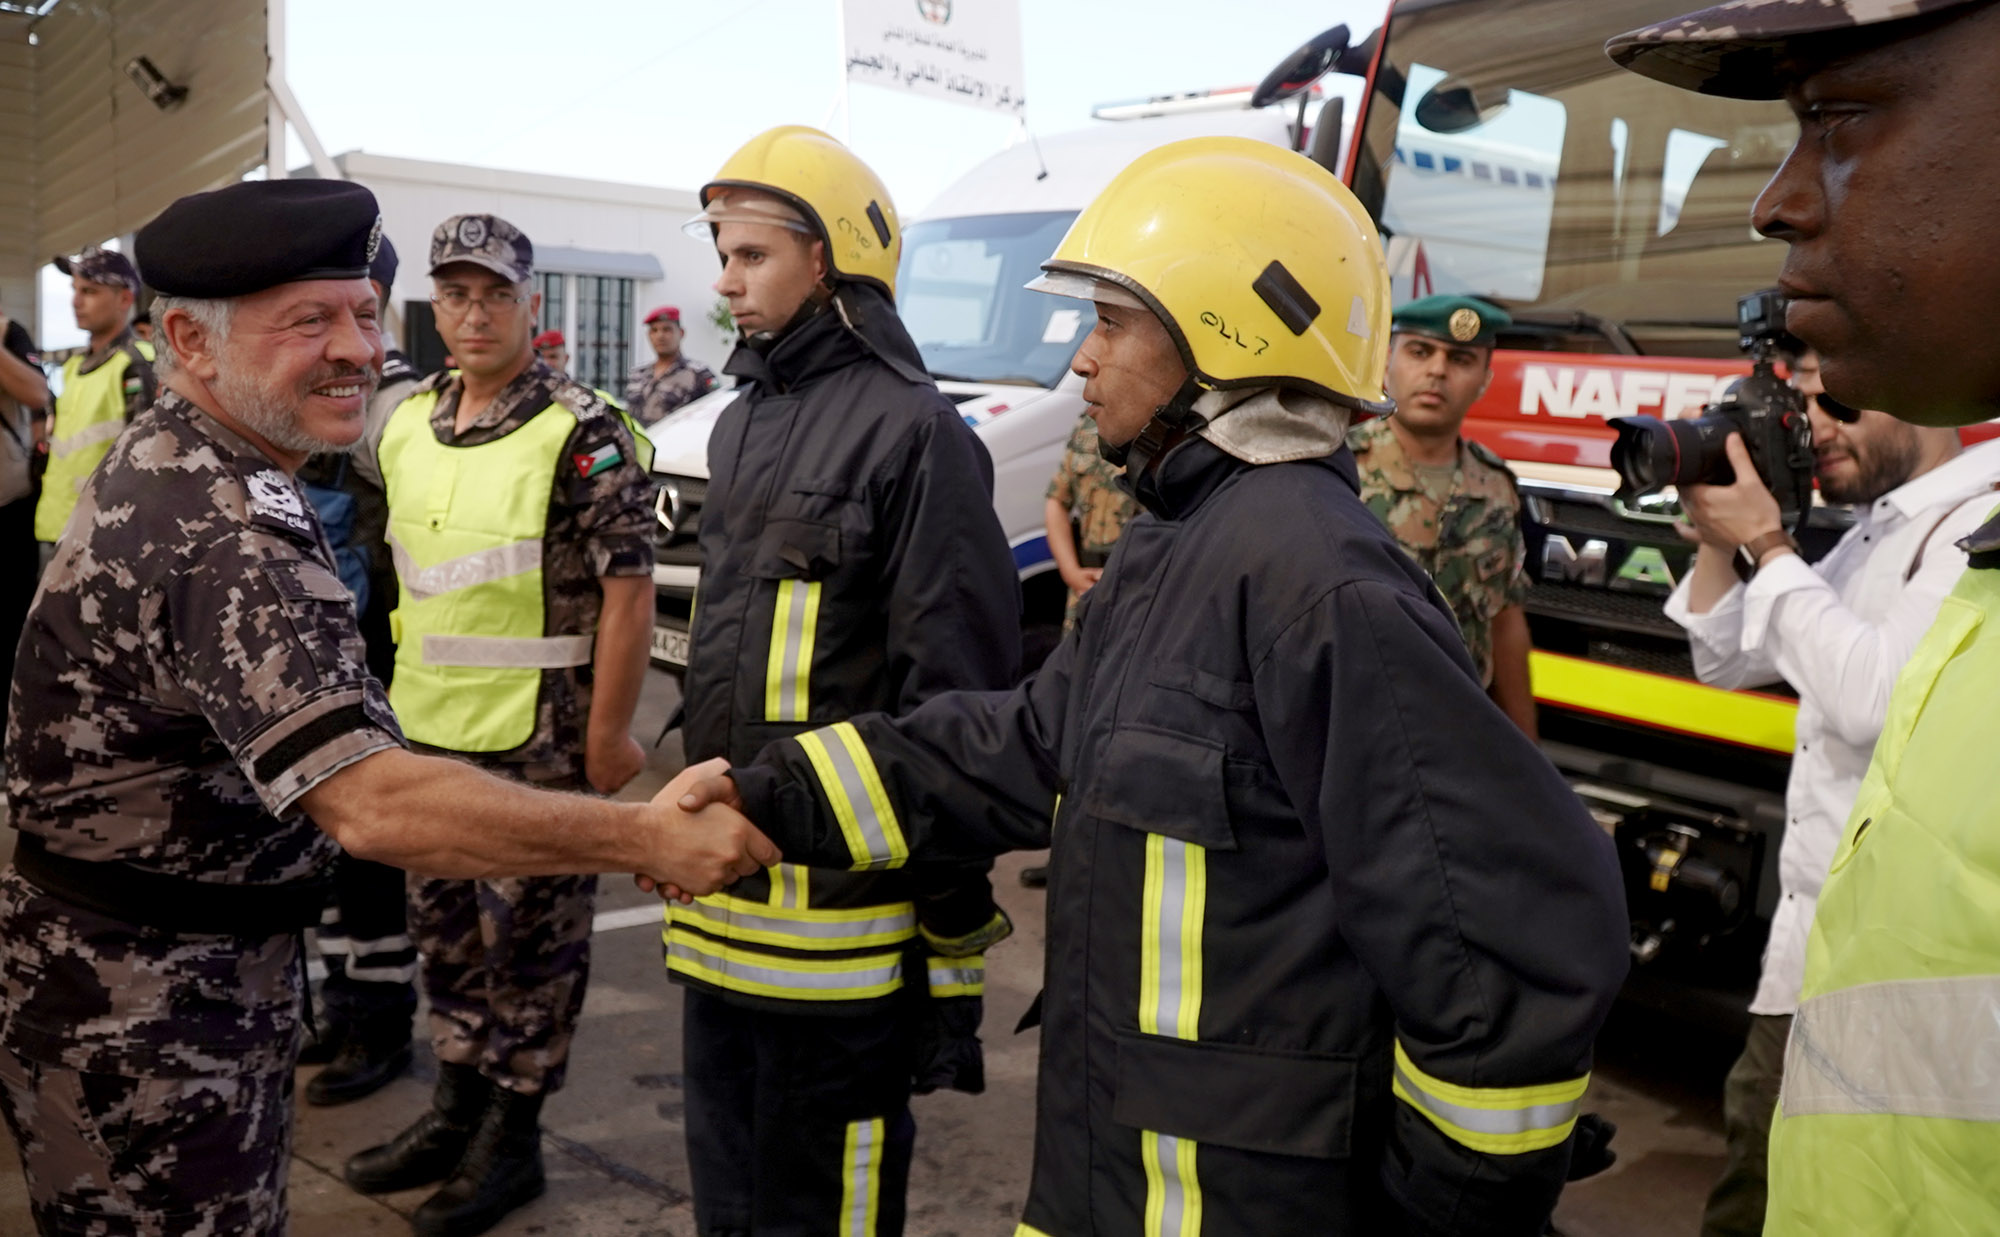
<point>667,313</point>
<point>548,339</point>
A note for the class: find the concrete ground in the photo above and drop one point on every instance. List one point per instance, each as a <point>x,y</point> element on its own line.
<point>613,1136</point>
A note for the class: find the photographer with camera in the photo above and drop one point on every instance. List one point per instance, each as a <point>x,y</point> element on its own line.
<point>1838,631</point>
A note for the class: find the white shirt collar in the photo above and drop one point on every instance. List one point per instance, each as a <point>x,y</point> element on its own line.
<point>1974,469</point>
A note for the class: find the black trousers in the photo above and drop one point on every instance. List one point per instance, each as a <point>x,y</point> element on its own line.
<point>364,937</point>
<point>798,1125</point>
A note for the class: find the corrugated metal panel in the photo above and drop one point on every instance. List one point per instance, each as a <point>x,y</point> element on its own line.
<point>109,159</point>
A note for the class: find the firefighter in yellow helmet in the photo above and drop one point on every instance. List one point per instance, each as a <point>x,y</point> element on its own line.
<point>851,563</point>
<point>1328,938</point>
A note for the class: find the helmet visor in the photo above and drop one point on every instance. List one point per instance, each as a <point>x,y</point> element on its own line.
<point>735,204</point>
<point>1084,288</point>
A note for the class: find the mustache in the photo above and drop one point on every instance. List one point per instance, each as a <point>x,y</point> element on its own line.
<point>338,375</point>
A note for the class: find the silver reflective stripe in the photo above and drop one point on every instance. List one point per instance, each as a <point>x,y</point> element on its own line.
<point>1495,1121</point>
<point>830,981</point>
<point>503,652</point>
<point>855,787</point>
<point>957,974</point>
<point>479,567</point>
<point>1907,1048</point>
<point>860,1195</point>
<point>1173,1195</point>
<point>88,436</point>
<point>835,931</point>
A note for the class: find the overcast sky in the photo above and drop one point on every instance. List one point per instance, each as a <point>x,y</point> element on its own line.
<point>661,91</point>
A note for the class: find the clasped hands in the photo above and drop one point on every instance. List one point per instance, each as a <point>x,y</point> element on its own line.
<point>708,843</point>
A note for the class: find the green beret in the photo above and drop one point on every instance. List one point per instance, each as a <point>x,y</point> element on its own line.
<point>1453,319</point>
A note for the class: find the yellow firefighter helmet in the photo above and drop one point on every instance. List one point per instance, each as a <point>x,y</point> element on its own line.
<point>837,197</point>
<point>1263,267</point>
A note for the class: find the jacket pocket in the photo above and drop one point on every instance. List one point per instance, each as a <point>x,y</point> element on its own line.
<point>1252,1099</point>
<point>1232,694</point>
<point>791,549</point>
<point>1156,781</point>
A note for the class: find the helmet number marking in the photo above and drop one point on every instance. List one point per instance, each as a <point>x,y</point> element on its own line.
<point>1255,345</point>
<point>853,232</point>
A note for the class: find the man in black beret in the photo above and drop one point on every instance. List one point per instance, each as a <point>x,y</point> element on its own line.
<point>190,702</point>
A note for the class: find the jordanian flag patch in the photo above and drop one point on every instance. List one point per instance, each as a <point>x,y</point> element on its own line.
<point>606,456</point>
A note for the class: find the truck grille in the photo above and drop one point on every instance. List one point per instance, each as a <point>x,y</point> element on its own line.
<point>677,520</point>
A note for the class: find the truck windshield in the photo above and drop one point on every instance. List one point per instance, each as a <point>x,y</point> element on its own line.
<point>1505,156</point>
<point>959,290</point>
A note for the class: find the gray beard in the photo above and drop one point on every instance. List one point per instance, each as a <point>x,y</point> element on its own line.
<point>273,414</point>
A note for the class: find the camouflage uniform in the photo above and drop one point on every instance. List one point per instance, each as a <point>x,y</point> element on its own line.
<point>191,666</point>
<point>1088,484</point>
<point>505,962</point>
<point>649,398</point>
<point>1469,542</point>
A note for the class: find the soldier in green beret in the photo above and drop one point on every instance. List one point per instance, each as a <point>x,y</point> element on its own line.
<point>1450,502</point>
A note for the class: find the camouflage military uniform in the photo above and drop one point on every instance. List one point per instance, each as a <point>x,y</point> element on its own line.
<point>1468,538</point>
<point>649,397</point>
<point>191,666</point>
<point>1088,484</point>
<point>505,962</point>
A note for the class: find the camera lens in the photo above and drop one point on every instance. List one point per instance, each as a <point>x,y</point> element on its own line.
<point>1651,454</point>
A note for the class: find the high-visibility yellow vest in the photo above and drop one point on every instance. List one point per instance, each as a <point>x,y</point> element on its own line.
<point>90,414</point>
<point>1889,1121</point>
<point>466,527</point>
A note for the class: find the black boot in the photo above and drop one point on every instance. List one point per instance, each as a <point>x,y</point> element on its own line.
<point>502,1170</point>
<point>324,1046</point>
<point>431,1148</point>
<point>373,1055</point>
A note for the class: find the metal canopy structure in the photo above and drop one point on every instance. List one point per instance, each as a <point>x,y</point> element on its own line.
<point>95,136</point>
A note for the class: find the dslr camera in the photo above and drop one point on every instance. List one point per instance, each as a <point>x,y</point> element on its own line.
<point>1651,454</point>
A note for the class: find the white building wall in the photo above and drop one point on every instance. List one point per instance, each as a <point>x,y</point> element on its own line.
<point>555,212</point>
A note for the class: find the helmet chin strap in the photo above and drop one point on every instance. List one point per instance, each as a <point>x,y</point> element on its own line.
<point>1176,414</point>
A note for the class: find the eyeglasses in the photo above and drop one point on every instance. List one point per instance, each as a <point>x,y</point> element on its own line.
<point>457,302</point>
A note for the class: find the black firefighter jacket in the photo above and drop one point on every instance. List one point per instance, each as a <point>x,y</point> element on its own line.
<point>1329,939</point>
<point>851,562</point>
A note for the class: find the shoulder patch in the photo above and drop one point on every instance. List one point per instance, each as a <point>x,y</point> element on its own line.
<point>275,502</point>
<point>588,405</point>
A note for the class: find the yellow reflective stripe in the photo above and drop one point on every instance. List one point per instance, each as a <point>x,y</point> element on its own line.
<point>1176,898</point>
<point>1028,1230</point>
<point>1494,1120</point>
<point>861,1177</point>
<point>791,886</point>
<point>788,671</point>
<point>798,979</point>
<point>739,919</point>
<point>1746,718</point>
<point>1173,1190</point>
<point>957,976</point>
<point>855,792</point>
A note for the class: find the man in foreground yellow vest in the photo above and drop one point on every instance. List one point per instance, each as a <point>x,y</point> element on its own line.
<point>1889,1119</point>
<point>520,521</point>
<point>101,390</point>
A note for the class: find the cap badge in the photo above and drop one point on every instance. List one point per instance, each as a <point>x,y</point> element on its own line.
<point>375,239</point>
<point>1464,325</point>
<point>472,232</point>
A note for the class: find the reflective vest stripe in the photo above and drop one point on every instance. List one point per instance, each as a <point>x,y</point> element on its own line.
<point>478,567</point>
<point>1173,1192</point>
<point>1170,976</point>
<point>957,976</point>
<point>1170,958</point>
<point>530,652</point>
<point>791,886</point>
<point>1028,1230</point>
<point>88,436</point>
<point>799,979</point>
<point>1493,1120</point>
<point>788,673</point>
<point>861,1177</point>
<point>755,922</point>
<point>1901,1047</point>
<point>854,790</point>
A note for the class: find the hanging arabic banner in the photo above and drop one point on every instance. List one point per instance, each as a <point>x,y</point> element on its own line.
<point>962,51</point>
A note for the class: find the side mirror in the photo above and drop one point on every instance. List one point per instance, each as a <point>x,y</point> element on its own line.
<point>1454,106</point>
<point>1326,134</point>
<point>1297,72</point>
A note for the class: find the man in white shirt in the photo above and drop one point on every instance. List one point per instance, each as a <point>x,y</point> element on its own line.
<point>1839,632</point>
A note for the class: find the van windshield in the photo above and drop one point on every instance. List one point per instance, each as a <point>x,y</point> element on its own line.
<point>960,293</point>
<point>1507,157</point>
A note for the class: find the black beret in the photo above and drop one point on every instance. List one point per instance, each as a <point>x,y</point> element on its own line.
<point>382,269</point>
<point>258,234</point>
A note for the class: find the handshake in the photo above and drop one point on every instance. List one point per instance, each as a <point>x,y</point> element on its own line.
<point>708,843</point>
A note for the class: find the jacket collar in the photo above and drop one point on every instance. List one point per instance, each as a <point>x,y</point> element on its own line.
<point>860,321</point>
<point>1194,469</point>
